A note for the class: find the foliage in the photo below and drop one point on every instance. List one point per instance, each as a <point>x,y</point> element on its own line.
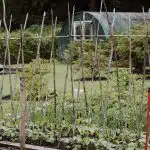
<point>93,60</point>
<point>30,44</point>
<point>36,87</point>
<point>89,131</point>
<point>47,29</point>
<point>115,118</point>
<point>139,45</point>
<point>86,137</point>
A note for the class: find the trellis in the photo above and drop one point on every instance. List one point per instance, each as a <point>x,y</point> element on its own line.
<point>69,67</point>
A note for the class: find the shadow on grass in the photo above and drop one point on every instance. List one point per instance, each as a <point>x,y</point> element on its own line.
<point>90,79</point>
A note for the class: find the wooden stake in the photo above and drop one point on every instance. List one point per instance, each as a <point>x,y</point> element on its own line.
<point>22,113</point>
<point>40,37</point>
<point>54,23</point>
<point>111,25</point>
<point>7,52</point>
<point>82,64</point>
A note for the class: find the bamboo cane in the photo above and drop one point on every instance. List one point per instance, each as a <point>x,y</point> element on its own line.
<point>8,54</point>
<point>23,113</point>
<point>109,63</point>
<point>40,37</point>
<point>52,35</point>
<point>54,23</point>
<point>66,76</point>
<point>118,82</point>
<point>131,91</point>
<point>65,83</point>
<point>70,54</point>
<point>5,57</point>
<point>25,24</point>
<point>82,68</point>
<point>77,98</point>
<point>98,61</point>
<point>19,52</point>
<point>39,62</point>
<point>1,105</point>
<point>144,72</point>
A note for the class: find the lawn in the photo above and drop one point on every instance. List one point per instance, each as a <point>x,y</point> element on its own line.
<point>61,70</point>
<point>6,83</point>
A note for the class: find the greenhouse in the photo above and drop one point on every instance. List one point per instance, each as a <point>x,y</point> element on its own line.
<point>91,24</point>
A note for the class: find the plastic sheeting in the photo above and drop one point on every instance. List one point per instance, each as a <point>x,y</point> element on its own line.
<point>104,21</point>
<point>121,20</point>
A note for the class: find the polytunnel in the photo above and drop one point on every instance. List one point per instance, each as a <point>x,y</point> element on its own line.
<point>90,24</point>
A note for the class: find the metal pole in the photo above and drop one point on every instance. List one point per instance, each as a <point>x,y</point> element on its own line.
<point>148,120</point>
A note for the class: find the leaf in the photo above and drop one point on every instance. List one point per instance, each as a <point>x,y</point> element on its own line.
<point>92,130</point>
<point>131,146</point>
<point>86,140</point>
<point>51,140</point>
<point>65,140</point>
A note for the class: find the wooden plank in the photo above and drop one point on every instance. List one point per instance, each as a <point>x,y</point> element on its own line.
<point>27,146</point>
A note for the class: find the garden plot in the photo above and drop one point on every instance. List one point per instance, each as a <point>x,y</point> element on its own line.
<point>89,98</point>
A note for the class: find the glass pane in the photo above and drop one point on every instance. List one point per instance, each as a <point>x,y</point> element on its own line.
<point>88,31</point>
<point>78,32</point>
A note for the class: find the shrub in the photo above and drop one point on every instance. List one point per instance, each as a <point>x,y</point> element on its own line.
<point>91,58</point>
<point>138,46</point>
<point>36,87</point>
<point>121,46</point>
<point>29,45</point>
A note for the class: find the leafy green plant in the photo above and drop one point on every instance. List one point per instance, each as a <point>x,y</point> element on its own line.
<point>122,47</point>
<point>105,139</point>
<point>93,60</point>
<point>36,87</point>
<point>30,44</point>
<point>116,115</point>
<point>88,132</point>
<point>139,45</point>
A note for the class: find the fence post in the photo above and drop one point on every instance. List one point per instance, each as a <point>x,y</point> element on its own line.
<point>22,113</point>
<point>148,120</point>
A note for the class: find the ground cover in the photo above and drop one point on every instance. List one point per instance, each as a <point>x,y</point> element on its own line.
<point>105,126</point>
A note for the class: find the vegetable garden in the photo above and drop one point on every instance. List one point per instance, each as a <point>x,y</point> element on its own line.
<point>94,98</point>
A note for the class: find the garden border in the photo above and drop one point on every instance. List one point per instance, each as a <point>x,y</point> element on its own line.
<point>27,146</point>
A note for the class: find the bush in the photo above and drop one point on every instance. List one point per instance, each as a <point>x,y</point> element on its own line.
<point>93,61</point>
<point>36,87</point>
<point>29,45</point>
<point>138,46</point>
<point>121,46</point>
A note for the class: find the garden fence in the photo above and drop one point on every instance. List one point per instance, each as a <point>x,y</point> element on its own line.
<point>46,94</point>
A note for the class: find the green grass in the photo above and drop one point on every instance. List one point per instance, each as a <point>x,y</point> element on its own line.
<point>60,81</point>
<point>61,70</point>
<point>6,83</point>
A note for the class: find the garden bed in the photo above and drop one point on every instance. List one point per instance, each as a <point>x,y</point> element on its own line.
<point>15,146</point>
